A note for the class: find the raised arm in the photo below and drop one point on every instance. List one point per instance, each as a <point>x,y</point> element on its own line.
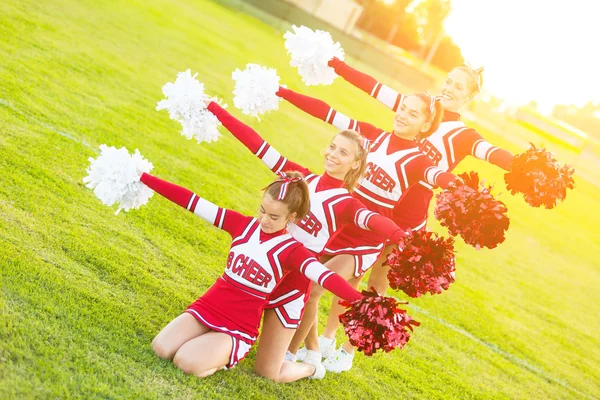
<point>302,259</point>
<point>386,95</point>
<point>321,110</point>
<point>256,144</point>
<point>222,218</point>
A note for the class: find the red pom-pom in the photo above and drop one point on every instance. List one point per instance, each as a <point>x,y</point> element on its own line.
<point>424,264</point>
<point>540,178</point>
<point>469,210</point>
<point>376,323</point>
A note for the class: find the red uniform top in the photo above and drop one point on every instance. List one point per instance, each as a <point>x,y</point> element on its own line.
<point>449,145</point>
<point>257,262</point>
<point>393,166</point>
<point>331,205</point>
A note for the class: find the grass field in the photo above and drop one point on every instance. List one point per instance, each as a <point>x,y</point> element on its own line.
<point>83,291</point>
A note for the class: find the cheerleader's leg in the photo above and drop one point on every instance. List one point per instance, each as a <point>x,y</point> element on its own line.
<point>343,265</point>
<point>337,309</point>
<point>273,343</point>
<point>379,272</point>
<point>183,328</point>
<point>206,354</point>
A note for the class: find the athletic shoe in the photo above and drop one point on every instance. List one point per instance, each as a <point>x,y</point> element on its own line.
<point>339,362</point>
<point>314,358</point>
<point>289,356</point>
<point>327,346</point>
<point>301,354</point>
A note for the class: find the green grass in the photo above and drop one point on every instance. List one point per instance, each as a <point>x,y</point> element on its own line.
<point>83,291</point>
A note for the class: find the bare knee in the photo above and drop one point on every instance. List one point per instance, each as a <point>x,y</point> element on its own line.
<point>162,349</point>
<point>186,364</point>
<point>267,371</point>
<point>190,366</point>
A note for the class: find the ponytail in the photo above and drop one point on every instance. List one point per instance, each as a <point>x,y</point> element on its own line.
<point>291,190</point>
<point>436,113</point>
<point>476,75</point>
<point>362,150</point>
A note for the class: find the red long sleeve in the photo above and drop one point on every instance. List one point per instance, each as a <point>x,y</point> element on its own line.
<point>470,142</point>
<point>444,179</point>
<point>305,261</point>
<point>223,218</point>
<point>323,111</point>
<point>384,94</point>
<point>255,143</point>
<point>177,194</point>
<point>356,212</point>
<point>248,136</point>
<point>364,82</point>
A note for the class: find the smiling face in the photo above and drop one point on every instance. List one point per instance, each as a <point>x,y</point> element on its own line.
<point>457,90</point>
<point>341,157</point>
<point>273,215</point>
<point>411,117</point>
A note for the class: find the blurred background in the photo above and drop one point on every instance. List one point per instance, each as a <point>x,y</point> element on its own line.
<point>540,80</point>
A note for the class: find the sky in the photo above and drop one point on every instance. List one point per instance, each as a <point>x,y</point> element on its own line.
<point>546,51</point>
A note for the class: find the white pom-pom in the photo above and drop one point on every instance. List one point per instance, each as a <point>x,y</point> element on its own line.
<point>115,177</point>
<point>186,103</point>
<point>255,89</point>
<point>310,51</point>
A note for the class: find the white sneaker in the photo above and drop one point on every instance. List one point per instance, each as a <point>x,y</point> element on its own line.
<point>339,362</point>
<point>289,356</point>
<point>301,354</point>
<point>327,346</point>
<point>314,358</point>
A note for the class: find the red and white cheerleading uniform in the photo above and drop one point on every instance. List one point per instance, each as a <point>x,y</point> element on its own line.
<point>446,147</point>
<point>256,264</point>
<point>331,207</point>
<point>393,166</point>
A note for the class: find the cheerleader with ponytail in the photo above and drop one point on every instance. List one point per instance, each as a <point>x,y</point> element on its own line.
<point>394,164</point>
<point>331,207</point>
<point>219,328</point>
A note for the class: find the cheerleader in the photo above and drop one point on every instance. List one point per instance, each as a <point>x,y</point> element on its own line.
<point>452,142</point>
<point>218,329</point>
<point>331,207</point>
<point>394,164</point>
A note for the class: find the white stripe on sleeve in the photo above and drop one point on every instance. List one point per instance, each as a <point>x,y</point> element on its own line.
<point>315,271</point>
<point>481,149</point>
<point>387,96</point>
<point>341,121</point>
<point>362,218</point>
<point>431,174</point>
<point>208,211</point>
<point>271,157</point>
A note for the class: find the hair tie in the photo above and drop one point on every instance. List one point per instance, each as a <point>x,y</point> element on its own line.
<point>286,180</point>
<point>432,100</point>
<point>477,72</point>
<point>365,144</point>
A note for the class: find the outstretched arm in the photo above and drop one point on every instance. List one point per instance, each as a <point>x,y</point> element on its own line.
<point>423,169</point>
<point>357,214</point>
<point>321,110</point>
<point>484,150</point>
<point>256,144</point>
<point>308,265</point>
<point>223,218</point>
<point>386,95</point>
